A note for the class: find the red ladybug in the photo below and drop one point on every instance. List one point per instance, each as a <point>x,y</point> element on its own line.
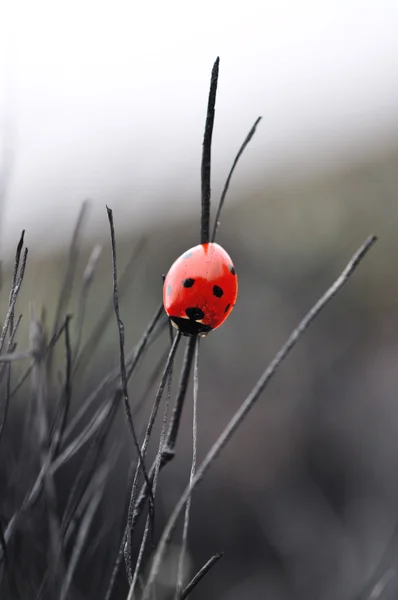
<point>200,289</point>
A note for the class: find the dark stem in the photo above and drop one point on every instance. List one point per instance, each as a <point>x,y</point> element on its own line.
<point>169,449</point>
<point>136,505</point>
<point>15,273</point>
<point>168,452</point>
<point>67,283</point>
<point>206,155</point>
<point>200,574</point>
<point>123,374</point>
<point>134,490</point>
<point>228,181</point>
<point>184,543</point>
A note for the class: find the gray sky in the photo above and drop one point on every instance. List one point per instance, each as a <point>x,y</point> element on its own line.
<point>107,99</point>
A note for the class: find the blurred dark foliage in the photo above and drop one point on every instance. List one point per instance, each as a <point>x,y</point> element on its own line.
<point>304,500</point>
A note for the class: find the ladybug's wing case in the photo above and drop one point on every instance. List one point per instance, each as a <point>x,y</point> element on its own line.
<point>201,286</point>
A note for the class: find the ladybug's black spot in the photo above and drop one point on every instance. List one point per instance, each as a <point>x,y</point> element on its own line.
<point>194,313</point>
<point>187,283</point>
<point>232,269</point>
<point>226,309</point>
<point>169,290</point>
<point>217,291</point>
<point>187,255</point>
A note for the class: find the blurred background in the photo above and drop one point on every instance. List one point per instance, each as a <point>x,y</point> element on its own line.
<point>107,101</point>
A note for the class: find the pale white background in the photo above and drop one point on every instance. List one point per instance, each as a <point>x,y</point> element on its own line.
<point>107,100</point>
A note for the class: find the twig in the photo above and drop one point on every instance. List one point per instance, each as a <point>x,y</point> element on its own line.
<point>90,461</point>
<point>134,489</point>
<point>86,353</point>
<point>14,292</point>
<point>383,567</point>
<point>169,450</point>
<point>67,284</point>
<point>15,274</point>
<point>39,385</point>
<point>132,361</point>
<point>123,375</point>
<point>9,350</point>
<point>82,535</point>
<point>66,396</point>
<point>200,574</point>
<point>88,277</point>
<point>29,369</point>
<point>180,574</point>
<point>247,405</point>
<point>228,181</point>
<point>168,376</point>
<point>206,156</point>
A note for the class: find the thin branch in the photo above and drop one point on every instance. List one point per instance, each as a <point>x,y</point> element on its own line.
<point>377,578</point>
<point>15,273</point>
<point>67,284</point>
<point>180,574</point>
<point>98,417</point>
<point>169,450</point>
<point>51,345</point>
<point>135,507</point>
<point>66,397</point>
<point>228,181</point>
<point>14,356</point>
<point>155,476</point>
<point>88,277</point>
<point>4,405</point>
<point>151,380</point>
<point>37,340</point>
<point>247,405</point>
<point>36,488</point>
<point>4,549</point>
<point>81,538</point>
<point>90,461</point>
<point>87,351</point>
<point>14,295</point>
<point>134,489</point>
<point>132,361</point>
<point>200,574</point>
<point>206,155</point>
<point>123,375</point>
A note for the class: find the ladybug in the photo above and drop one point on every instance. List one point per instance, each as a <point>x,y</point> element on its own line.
<point>200,289</point>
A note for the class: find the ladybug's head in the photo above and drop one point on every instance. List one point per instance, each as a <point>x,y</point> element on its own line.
<point>191,324</point>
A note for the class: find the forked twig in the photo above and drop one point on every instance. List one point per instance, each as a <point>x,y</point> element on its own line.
<point>246,406</point>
